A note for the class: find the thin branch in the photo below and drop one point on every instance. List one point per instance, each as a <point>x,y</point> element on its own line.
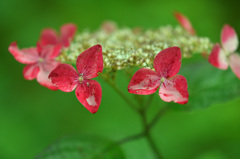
<point>129,72</point>
<point>153,146</point>
<point>140,100</point>
<point>127,100</point>
<point>148,136</point>
<point>131,138</point>
<point>157,117</point>
<point>142,112</point>
<point>149,101</point>
<point>123,141</point>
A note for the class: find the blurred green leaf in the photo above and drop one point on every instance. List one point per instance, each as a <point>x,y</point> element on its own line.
<point>212,154</point>
<point>83,147</point>
<point>208,85</point>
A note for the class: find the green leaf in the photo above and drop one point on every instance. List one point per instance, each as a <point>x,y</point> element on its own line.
<point>82,147</point>
<point>208,85</point>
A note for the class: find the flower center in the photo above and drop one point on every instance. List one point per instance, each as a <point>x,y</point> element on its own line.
<point>80,78</point>
<point>162,79</point>
<point>40,60</point>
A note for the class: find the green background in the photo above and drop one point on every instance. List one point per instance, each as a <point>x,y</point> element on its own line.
<point>32,117</point>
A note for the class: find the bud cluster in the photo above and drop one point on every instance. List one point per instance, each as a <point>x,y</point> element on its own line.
<point>124,48</point>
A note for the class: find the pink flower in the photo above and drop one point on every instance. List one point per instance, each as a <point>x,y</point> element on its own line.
<point>40,62</point>
<point>184,22</point>
<point>89,64</point>
<point>221,57</point>
<point>50,37</point>
<point>167,64</point>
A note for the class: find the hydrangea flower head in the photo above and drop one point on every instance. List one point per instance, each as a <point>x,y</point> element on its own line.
<point>40,62</point>
<point>89,64</point>
<point>173,87</point>
<point>222,56</point>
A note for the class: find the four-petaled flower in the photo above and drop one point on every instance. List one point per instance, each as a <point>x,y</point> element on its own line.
<point>167,64</point>
<point>50,37</point>
<point>221,57</point>
<point>184,22</point>
<point>40,62</point>
<point>89,64</point>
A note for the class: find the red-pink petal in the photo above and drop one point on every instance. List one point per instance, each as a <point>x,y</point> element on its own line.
<point>50,51</point>
<point>30,71</point>
<point>174,89</point>
<point>90,62</point>
<point>229,38</point>
<point>45,69</point>
<point>67,33</point>
<point>184,22</point>
<point>167,63</point>
<point>49,37</point>
<point>218,57</point>
<point>89,93</point>
<point>25,56</point>
<point>234,61</point>
<point>65,77</point>
<point>144,81</point>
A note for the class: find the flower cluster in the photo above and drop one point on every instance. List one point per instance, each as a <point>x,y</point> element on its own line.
<point>124,48</point>
<point>40,60</point>
<point>173,87</point>
<point>222,56</point>
<point>89,64</point>
<point>157,52</point>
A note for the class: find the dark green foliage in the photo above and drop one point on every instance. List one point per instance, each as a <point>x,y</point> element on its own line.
<point>208,85</point>
<point>82,147</point>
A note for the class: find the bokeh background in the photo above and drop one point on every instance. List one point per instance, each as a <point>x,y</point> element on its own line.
<point>32,117</point>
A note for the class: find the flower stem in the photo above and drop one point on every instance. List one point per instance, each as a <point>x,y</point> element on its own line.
<point>130,103</point>
<point>123,141</point>
<point>148,103</point>
<point>153,146</point>
<point>157,117</point>
<point>148,136</point>
<point>131,138</point>
<point>142,112</point>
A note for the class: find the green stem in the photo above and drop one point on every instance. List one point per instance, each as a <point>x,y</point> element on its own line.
<point>153,146</point>
<point>155,119</point>
<point>131,138</point>
<point>128,101</point>
<point>142,112</point>
<point>148,103</point>
<point>123,141</point>
<point>148,136</point>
